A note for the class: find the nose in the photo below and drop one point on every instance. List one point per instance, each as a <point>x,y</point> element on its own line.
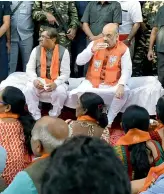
<point>40,39</point>
<point>105,38</point>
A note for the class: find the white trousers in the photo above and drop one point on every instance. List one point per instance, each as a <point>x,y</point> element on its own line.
<point>57,98</point>
<point>108,94</point>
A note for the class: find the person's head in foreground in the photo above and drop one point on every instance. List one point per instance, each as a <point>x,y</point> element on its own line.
<point>48,38</point>
<point>110,34</point>
<point>12,101</point>
<point>92,105</point>
<point>47,134</point>
<point>160,109</point>
<point>136,117</point>
<point>85,165</point>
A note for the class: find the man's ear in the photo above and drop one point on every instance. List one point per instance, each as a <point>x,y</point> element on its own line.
<point>39,147</point>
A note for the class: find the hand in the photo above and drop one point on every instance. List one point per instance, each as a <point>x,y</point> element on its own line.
<point>127,42</point>
<point>99,46</point>
<point>8,45</point>
<point>92,38</point>
<point>120,91</point>
<point>51,19</point>
<point>38,84</point>
<point>51,87</point>
<point>150,55</point>
<point>71,33</point>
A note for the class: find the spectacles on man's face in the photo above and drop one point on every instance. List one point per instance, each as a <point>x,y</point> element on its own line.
<point>46,37</point>
<point>3,103</point>
<point>110,36</point>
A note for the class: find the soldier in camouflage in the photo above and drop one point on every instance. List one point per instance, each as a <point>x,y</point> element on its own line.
<point>61,15</point>
<point>141,65</point>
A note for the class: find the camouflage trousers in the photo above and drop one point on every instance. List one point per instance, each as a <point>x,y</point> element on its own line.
<point>64,41</point>
<point>141,65</point>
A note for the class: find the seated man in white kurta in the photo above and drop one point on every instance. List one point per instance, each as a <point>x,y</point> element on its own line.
<point>48,70</point>
<point>109,70</point>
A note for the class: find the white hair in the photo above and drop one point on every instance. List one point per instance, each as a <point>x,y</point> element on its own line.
<point>48,141</point>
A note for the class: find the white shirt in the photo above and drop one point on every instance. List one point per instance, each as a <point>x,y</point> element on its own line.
<point>131,14</point>
<point>126,63</point>
<point>64,68</point>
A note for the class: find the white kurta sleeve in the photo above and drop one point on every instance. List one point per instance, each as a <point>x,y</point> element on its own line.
<point>64,69</point>
<point>85,56</point>
<point>126,68</point>
<point>31,66</point>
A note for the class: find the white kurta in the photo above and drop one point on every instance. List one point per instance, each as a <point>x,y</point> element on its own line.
<point>57,97</point>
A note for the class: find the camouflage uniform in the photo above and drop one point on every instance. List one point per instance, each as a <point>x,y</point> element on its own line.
<point>141,65</point>
<point>67,11</point>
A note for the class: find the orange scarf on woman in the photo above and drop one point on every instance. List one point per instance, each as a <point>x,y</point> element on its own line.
<point>9,115</point>
<point>54,69</point>
<point>86,118</point>
<point>134,136</point>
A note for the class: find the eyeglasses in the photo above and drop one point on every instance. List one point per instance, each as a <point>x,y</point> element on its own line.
<point>3,103</point>
<point>110,36</point>
<point>43,36</point>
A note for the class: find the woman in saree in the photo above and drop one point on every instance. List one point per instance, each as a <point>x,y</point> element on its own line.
<point>136,149</point>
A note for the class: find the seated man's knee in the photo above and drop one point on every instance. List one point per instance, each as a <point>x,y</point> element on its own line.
<point>60,91</point>
<point>30,88</point>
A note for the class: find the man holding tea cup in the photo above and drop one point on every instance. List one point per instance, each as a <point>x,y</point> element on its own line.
<point>109,70</point>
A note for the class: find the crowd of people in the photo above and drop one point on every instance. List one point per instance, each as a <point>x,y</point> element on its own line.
<point>106,42</point>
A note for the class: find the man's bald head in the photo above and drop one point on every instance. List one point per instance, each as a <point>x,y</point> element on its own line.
<point>111,27</point>
<point>51,132</point>
<point>55,126</point>
<point>110,33</point>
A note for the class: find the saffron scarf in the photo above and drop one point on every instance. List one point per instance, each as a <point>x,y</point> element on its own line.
<point>86,118</point>
<point>9,115</point>
<point>133,136</point>
<point>152,176</point>
<point>54,69</point>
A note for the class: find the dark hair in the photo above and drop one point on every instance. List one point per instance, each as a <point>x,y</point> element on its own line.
<point>160,109</point>
<point>16,99</point>
<point>85,165</point>
<point>94,105</point>
<point>137,117</point>
<point>52,33</point>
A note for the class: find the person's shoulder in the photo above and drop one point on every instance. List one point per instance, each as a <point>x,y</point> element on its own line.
<point>5,5</point>
<point>92,3</point>
<point>161,9</point>
<point>22,183</point>
<point>8,3</point>
<point>116,4</point>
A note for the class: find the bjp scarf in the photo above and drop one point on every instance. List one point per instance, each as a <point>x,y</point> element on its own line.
<point>9,115</point>
<point>54,69</point>
<point>86,118</point>
<point>134,136</point>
